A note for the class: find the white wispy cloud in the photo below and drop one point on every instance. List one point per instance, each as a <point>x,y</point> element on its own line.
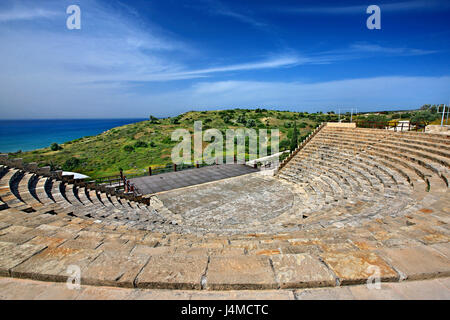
<point>51,72</point>
<point>358,9</point>
<point>219,8</point>
<point>20,13</point>
<point>377,93</point>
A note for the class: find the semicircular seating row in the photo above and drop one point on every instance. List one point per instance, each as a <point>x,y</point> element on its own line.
<point>367,172</point>
<point>32,193</point>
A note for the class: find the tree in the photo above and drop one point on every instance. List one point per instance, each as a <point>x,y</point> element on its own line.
<point>71,164</point>
<point>140,144</point>
<point>154,120</point>
<point>284,144</point>
<point>251,123</point>
<point>294,139</point>
<point>424,117</point>
<point>55,147</point>
<point>241,119</point>
<point>128,148</point>
<point>175,120</point>
<point>433,109</point>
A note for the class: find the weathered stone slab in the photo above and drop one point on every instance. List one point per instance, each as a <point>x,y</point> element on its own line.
<point>45,230</point>
<point>12,255</point>
<point>240,272</point>
<point>82,243</point>
<point>339,293</point>
<point>15,230</point>
<point>385,292</point>
<point>4,225</point>
<point>146,250</point>
<point>110,269</point>
<point>442,248</point>
<point>47,241</point>
<point>301,270</point>
<point>337,247</point>
<point>417,263</point>
<point>98,293</point>
<point>420,290</point>
<point>355,267</point>
<point>172,272</point>
<point>296,249</point>
<point>243,295</point>
<point>16,238</point>
<point>52,263</point>
<point>117,245</point>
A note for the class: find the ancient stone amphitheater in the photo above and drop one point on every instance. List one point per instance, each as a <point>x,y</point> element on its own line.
<point>347,202</point>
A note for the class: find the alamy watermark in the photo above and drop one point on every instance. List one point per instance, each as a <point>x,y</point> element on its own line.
<point>240,142</point>
<point>374,21</point>
<point>374,280</point>
<point>74,20</point>
<point>74,280</point>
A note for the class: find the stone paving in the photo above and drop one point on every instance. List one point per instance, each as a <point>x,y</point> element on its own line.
<point>174,180</point>
<point>18,289</point>
<point>342,210</point>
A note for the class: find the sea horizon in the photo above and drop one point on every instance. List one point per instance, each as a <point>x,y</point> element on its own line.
<point>32,134</point>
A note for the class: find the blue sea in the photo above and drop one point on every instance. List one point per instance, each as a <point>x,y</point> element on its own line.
<point>28,135</point>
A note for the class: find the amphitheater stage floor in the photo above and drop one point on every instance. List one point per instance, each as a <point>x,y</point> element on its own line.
<point>174,180</point>
<point>226,206</point>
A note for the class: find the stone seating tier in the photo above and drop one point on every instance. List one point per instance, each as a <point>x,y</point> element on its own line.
<point>361,198</point>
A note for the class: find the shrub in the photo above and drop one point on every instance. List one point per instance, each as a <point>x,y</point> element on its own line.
<point>294,139</point>
<point>175,120</point>
<point>424,117</point>
<point>71,164</point>
<point>226,119</point>
<point>251,123</point>
<point>405,115</point>
<point>154,120</point>
<point>167,140</point>
<point>128,148</point>
<point>55,147</point>
<point>284,144</point>
<point>303,125</point>
<point>140,144</point>
<point>241,119</point>
<point>152,144</point>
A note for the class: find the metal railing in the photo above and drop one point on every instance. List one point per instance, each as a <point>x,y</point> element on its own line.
<point>122,181</point>
<point>301,145</point>
<point>391,125</point>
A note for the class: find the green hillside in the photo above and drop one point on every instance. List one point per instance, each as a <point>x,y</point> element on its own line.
<point>137,146</point>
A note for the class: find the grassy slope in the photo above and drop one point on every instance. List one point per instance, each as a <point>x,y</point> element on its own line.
<point>104,154</point>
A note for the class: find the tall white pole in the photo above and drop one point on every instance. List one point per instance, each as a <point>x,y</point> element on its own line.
<point>443,113</point>
<point>446,122</point>
<point>351,116</point>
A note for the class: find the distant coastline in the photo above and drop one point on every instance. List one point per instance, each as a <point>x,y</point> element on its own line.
<point>27,135</point>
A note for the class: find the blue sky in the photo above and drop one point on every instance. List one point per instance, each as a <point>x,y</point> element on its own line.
<point>135,58</point>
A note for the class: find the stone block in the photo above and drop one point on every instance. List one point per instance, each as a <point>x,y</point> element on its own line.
<point>173,272</point>
<point>240,272</point>
<point>114,269</point>
<point>12,255</point>
<point>301,270</point>
<point>52,264</point>
<point>357,266</point>
<point>418,262</point>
